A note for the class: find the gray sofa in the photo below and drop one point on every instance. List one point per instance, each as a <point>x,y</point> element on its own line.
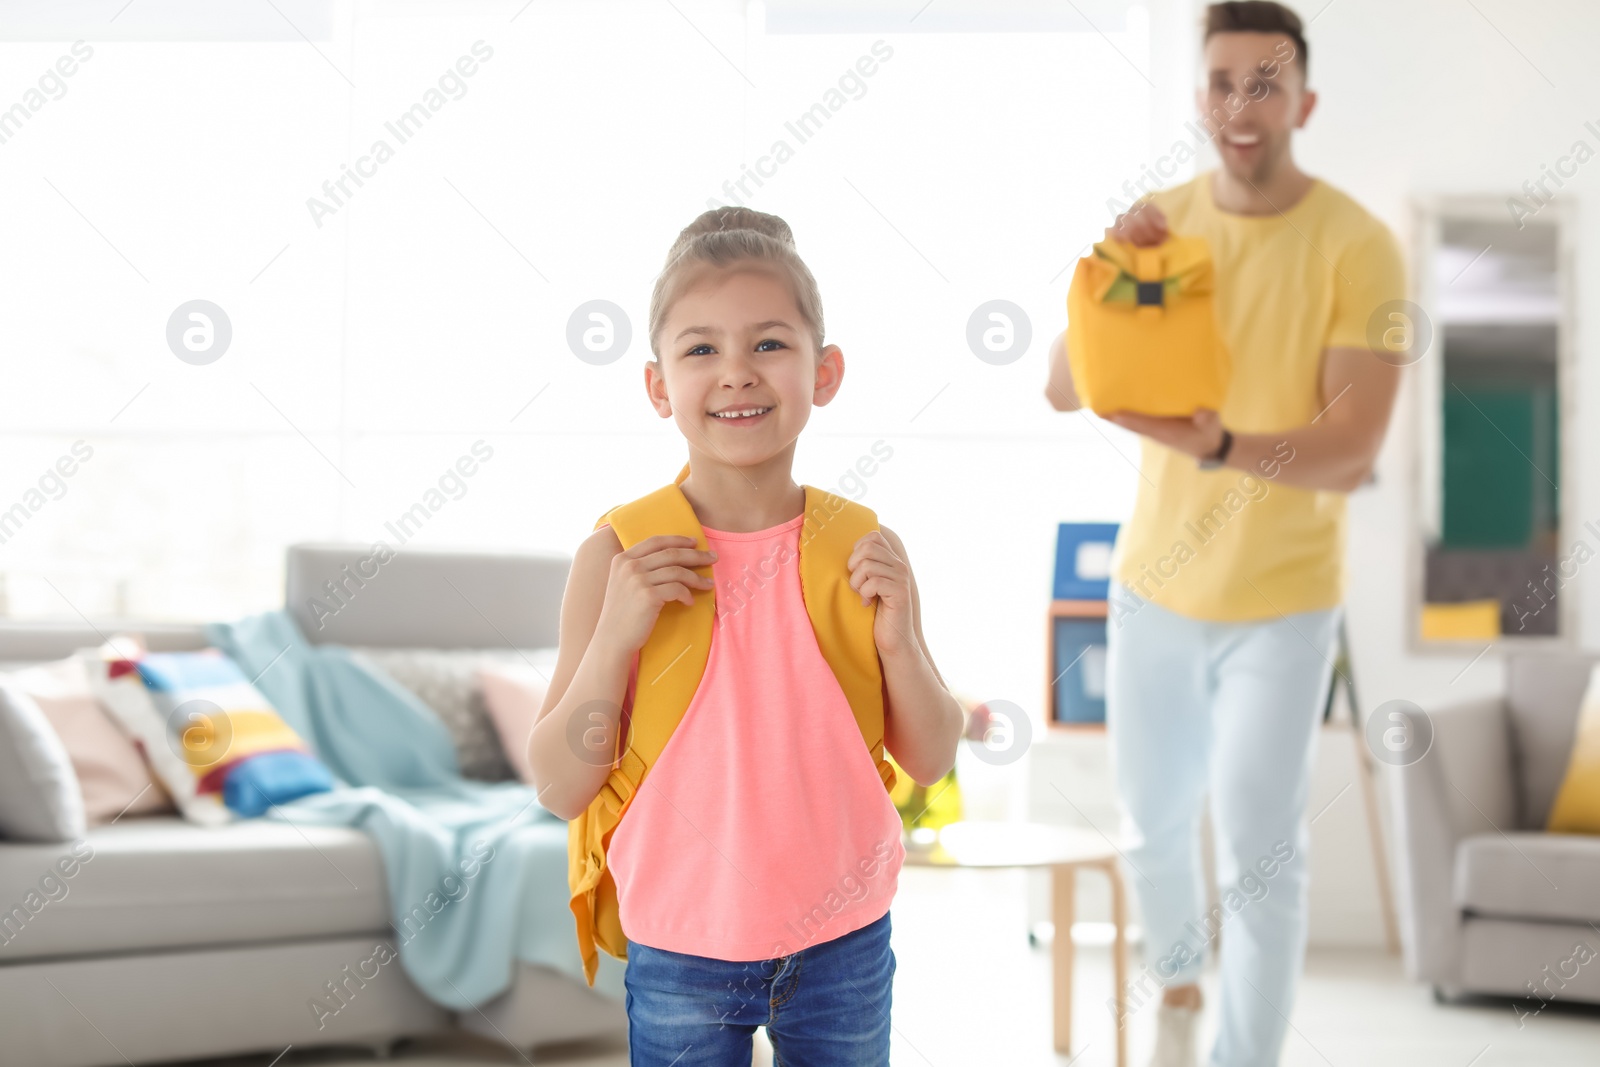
<point>179,941</point>
<point>1490,903</point>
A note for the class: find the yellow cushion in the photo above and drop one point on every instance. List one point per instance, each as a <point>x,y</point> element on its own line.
<point>1141,332</point>
<point>1577,806</point>
<point>1477,620</point>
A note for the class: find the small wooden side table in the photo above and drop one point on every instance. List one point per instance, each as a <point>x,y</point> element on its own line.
<point>1064,850</point>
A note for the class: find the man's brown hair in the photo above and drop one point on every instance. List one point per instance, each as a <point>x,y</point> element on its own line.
<point>1259,16</point>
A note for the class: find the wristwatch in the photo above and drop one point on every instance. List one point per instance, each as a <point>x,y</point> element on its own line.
<point>1215,460</point>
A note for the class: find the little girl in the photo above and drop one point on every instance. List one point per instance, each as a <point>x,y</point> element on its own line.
<point>754,866</point>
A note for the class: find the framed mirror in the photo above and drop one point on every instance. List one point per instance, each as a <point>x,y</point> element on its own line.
<point>1495,546</point>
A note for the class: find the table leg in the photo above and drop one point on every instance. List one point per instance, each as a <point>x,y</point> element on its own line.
<point>1119,958</point>
<point>1063,886</point>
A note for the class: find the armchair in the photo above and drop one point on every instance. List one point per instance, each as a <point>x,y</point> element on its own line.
<point>1489,902</point>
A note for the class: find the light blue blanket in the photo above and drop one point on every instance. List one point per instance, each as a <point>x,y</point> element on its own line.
<point>477,871</point>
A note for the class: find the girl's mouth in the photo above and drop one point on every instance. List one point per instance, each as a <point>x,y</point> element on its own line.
<point>741,416</point>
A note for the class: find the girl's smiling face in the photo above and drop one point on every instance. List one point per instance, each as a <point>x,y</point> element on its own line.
<point>738,368</point>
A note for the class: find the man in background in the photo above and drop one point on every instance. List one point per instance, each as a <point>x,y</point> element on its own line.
<point>1229,575</point>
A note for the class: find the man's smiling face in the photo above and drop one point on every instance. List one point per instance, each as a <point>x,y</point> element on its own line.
<point>1250,68</point>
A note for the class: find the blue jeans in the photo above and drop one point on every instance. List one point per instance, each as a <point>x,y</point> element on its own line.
<point>824,1006</point>
<point>1229,710</point>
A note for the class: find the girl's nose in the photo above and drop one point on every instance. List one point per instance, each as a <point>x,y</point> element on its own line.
<point>738,371</point>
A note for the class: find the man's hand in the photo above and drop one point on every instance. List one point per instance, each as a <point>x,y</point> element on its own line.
<point>1200,435</point>
<point>1142,225</point>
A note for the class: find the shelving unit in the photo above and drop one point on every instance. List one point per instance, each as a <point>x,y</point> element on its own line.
<point>1069,766</point>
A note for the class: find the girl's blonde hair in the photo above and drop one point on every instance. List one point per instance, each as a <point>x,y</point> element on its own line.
<point>724,236</point>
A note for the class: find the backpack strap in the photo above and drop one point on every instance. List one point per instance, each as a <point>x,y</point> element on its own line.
<point>842,623</point>
<point>671,664</point>
<point>673,660</point>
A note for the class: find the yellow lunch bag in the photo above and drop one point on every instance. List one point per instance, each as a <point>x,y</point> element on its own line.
<point>1141,331</point>
<point>681,641</point>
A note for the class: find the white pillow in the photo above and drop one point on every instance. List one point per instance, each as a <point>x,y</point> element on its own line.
<point>129,702</point>
<point>39,795</point>
<point>113,777</point>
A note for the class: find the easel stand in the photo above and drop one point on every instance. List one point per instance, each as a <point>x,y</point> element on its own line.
<point>1369,793</point>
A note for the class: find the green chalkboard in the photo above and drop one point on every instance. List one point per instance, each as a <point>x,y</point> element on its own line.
<point>1500,464</point>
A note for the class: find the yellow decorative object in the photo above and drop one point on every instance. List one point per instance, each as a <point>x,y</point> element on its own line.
<point>925,807</point>
<point>681,641</point>
<point>1577,806</point>
<point>1141,332</point>
<point>1470,620</point>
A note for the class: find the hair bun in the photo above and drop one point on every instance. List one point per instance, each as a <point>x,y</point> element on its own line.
<point>728,219</point>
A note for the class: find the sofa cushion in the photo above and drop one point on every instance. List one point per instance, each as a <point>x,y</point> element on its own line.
<point>27,642</point>
<point>231,737</point>
<point>1530,876</point>
<point>113,776</point>
<point>116,685</point>
<point>474,599</point>
<point>1543,693</point>
<point>514,692</point>
<point>447,681</point>
<point>39,795</point>
<point>162,882</point>
<point>1577,806</point>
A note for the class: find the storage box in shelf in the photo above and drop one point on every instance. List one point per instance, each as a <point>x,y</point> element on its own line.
<point>1085,610</point>
<point>1083,558</point>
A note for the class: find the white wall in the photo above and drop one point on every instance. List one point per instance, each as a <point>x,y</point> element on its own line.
<point>408,326</point>
<point>431,308</point>
<point>1429,97</point>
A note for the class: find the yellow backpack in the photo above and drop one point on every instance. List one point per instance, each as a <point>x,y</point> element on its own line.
<point>673,660</point>
<point>1141,333</point>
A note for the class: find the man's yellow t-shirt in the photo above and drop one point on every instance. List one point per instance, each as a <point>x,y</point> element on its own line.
<point>1232,545</point>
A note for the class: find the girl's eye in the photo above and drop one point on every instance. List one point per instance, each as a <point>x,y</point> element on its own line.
<point>701,349</point>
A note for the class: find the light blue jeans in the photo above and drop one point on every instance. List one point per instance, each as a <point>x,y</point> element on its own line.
<point>1229,710</point>
<point>825,1006</point>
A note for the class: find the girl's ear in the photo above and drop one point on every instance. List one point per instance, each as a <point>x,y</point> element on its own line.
<point>830,375</point>
<point>655,386</point>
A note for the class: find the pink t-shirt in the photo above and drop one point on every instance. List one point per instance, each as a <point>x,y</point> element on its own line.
<point>763,829</point>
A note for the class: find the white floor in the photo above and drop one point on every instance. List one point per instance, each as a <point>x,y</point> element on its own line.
<point>970,991</point>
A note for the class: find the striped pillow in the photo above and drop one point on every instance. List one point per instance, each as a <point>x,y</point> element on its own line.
<point>219,724</point>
